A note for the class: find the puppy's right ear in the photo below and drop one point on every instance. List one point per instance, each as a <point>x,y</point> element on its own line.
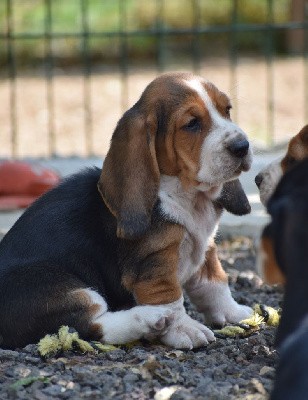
<point>130,177</point>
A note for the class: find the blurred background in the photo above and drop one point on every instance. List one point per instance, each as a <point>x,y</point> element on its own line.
<point>68,69</point>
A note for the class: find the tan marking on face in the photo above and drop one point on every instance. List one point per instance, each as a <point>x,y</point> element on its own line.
<point>188,145</point>
<point>219,99</point>
<point>159,283</point>
<point>271,272</point>
<point>176,104</point>
<point>178,153</point>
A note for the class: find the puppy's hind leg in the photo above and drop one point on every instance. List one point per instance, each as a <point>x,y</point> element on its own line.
<point>128,325</point>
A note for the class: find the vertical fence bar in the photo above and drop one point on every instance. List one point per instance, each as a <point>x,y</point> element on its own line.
<point>234,59</point>
<point>196,43</point>
<point>49,79</point>
<point>88,130</point>
<point>124,54</point>
<point>160,36</point>
<point>12,76</point>
<point>270,75</point>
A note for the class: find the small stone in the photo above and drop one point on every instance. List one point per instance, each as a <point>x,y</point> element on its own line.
<point>30,348</point>
<point>268,372</point>
<point>165,393</point>
<point>8,355</point>
<point>39,395</point>
<point>218,374</point>
<point>116,355</point>
<point>235,389</point>
<point>33,360</point>
<point>257,386</point>
<point>264,350</point>
<point>138,354</point>
<point>130,377</point>
<point>92,394</point>
<point>52,390</point>
<point>182,394</point>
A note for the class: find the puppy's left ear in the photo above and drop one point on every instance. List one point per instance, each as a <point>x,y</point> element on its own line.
<point>234,199</point>
<point>130,176</point>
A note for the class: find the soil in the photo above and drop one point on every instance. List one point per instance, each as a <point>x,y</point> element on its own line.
<point>230,368</point>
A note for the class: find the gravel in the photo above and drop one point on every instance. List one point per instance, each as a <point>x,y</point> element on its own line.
<point>231,368</point>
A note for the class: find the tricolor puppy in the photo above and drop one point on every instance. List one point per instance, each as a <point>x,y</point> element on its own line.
<point>269,177</point>
<point>288,207</point>
<point>267,181</point>
<point>110,254</point>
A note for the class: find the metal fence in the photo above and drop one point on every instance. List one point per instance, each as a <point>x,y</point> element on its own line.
<point>11,38</point>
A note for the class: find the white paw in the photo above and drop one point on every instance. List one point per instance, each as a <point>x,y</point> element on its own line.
<point>133,324</point>
<point>186,333</point>
<point>154,320</point>
<point>232,313</point>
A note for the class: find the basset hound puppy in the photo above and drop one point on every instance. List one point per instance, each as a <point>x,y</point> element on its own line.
<point>267,181</point>
<point>110,252</point>
<point>288,233</point>
<point>268,178</point>
<point>288,208</point>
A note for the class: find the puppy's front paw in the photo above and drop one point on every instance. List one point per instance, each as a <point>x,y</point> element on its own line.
<point>133,324</point>
<point>155,319</point>
<point>186,333</point>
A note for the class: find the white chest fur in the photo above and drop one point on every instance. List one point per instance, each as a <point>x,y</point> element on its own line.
<point>196,212</point>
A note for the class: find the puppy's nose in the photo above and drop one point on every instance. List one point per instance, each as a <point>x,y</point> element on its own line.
<point>259,179</point>
<point>239,148</point>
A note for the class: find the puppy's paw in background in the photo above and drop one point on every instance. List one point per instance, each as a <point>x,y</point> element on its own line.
<point>232,314</point>
<point>214,300</point>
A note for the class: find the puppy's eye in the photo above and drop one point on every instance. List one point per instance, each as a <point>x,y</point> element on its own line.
<point>228,108</point>
<point>194,125</point>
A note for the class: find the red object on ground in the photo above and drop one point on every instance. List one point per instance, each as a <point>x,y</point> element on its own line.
<point>23,182</point>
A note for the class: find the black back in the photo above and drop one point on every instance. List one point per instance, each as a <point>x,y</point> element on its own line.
<point>69,228</point>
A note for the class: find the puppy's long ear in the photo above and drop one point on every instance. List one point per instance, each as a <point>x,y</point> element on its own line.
<point>130,176</point>
<point>234,199</point>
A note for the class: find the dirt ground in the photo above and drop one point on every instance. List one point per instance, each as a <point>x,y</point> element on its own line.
<point>228,369</point>
<point>250,93</point>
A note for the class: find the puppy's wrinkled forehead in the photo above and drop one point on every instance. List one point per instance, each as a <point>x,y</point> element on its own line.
<point>183,89</point>
<point>214,100</point>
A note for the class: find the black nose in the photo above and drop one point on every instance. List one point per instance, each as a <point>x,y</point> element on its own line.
<point>239,148</point>
<point>259,179</point>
